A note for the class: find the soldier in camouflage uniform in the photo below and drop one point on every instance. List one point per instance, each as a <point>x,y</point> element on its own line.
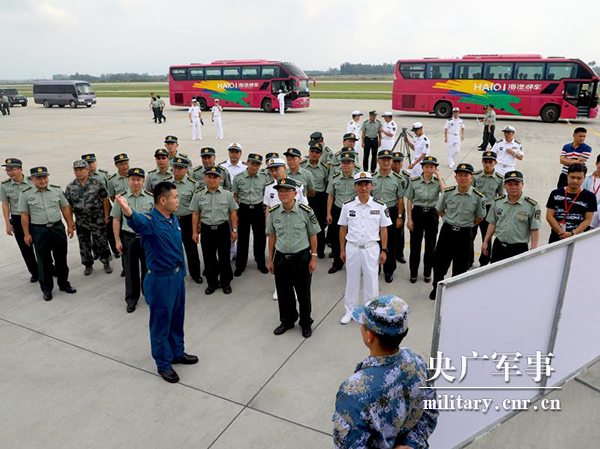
<point>89,200</point>
<point>382,405</point>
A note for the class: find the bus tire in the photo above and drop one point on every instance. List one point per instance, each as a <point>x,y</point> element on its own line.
<point>442,109</point>
<point>550,113</point>
<point>72,104</point>
<point>267,106</point>
<point>47,104</point>
<point>202,104</point>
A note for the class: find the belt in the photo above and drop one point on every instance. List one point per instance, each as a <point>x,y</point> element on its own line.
<point>457,228</point>
<point>364,245</point>
<point>214,227</point>
<point>292,255</point>
<point>164,272</point>
<point>424,208</point>
<point>47,225</point>
<point>130,234</point>
<point>252,206</point>
<point>508,245</point>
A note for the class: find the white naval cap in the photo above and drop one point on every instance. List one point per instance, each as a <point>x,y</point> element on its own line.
<point>235,146</point>
<point>387,114</point>
<point>357,112</point>
<point>455,110</point>
<point>508,129</point>
<point>363,176</point>
<point>275,162</point>
<point>417,125</point>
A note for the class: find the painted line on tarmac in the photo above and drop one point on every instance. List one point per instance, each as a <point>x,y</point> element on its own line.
<point>571,125</point>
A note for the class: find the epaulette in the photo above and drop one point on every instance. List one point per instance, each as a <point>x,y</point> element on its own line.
<point>112,176</point>
<point>406,173</point>
<point>335,175</point>
<point>149,192</point>
<point>499,175</point>
<point>55,186</point>
<point>152,171</point>
<point>5,181</point>
<point>271,209</point>
<point>184,155</point>
<point>102,170</point>
<point>477,192</point>
<point>478,172</point>
<point>377,200</point>
<point>193,180</point>
<point>396,174</point>
<point>167,176</point>
<point>449,189</point>
<point>269,183</point>
<point>324,164</point>
<point>26,189</point>
<point>338,153</point>
<point>517,141</point>
<point>221,163</point>
<point>415,178</point>
<point>198,189</point>
<point>500,197</point>
<point>305,208</point>
<point>350,200</point>
<point>123,193</point>
<point>326,149</point>
<point>531,200</point>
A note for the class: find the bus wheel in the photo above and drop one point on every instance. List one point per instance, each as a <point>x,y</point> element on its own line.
<point>267,106</point>
<point>72,104</point>
<point>202,104</point>
<point>47,104</point>
<point>550,113</point>
<point>443,109</point>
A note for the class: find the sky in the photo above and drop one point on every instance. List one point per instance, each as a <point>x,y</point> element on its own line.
<point>41,38</point>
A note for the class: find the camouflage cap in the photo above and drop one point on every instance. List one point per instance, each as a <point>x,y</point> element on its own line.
<point>39,171</point>
<point>208,151</point>
<point>254,157</point>
<point>384,315</point>
<point>287,183</point>
<point>181,162</point>
<point>397,156</point>
<point>213,171</point>
<point>121,157</point>
<point>430,160</point>
<point>136,172</point>
<point>91,157</point>
<point>12,162</point>
<point>80,163</point>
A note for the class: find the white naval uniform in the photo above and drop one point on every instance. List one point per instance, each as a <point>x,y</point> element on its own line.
<point>216,110</point>
<point>364,222</point>
<point>281,99</point>
<point>234,169</point>
<point>422,145</point>
<point>506,162</point>
<point>196,126</point>
<point>272,199</point>
<point>387,142</point>
<point>354,127</point>
<point>454,127</point>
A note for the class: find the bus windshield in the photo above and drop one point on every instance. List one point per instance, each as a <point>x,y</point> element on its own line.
<point>302,86</point>
<point>84,88</point>
<point>294,71</point>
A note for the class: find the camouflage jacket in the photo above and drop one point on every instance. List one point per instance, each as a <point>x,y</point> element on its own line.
<point>381,404</point>
<point>87,199</point>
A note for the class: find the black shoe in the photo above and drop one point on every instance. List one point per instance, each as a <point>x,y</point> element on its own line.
<point>122,273</point>
<point>130,308</point>
<point>227,290</point>
<point>331,255</point>
<point>427,279</point>
<point>88,270</point>
<point>33,279</point>
<point>69,290</point>
<point>389,277</point>
<point>402,259</point>
<point>237,273</point>
<point>209,290</point>
<point>263,270</point>
<point>334,269</point>
<point>170,376</point>
<point>282,329</point>
<point>47,296</point>
<point>432,294</point>
<point>187,359</point>
<point>198,280</point>
<point>413,280</point>
<point>321,255</point>
<point>107,268</point>
<point>306,332</point>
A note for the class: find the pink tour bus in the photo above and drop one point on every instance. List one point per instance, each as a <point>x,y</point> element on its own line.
<point>239,84</point>
<point>518,85</point>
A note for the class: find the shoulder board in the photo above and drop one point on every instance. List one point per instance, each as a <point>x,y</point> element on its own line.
<point>338,153</point>
<point>221,163</point>
<point>350,200</point>
<point>272,182</point>
<point>396,174</point>
<point>531,200</point>
<point>404,172</point>
<point>184,155</point>
<point>152,171</point>
<point>377,200</point>
<point>306,208</point>
<point>324,164</point>
<point>102,170</point>
<point>477,192</point>
<point>326,149</point>
<point>500,197</point>
<point>192,179</point>
<point>167,176</point>
<point>425,138</point>
<point>112,176</point>
<point>198,189</point>
<point>499,175</point>
<point>271,209</point>
<point>149,192</point>
<point>26,189</point>
<point>335,175</point>
<point>517,142</point>
<point>449,189</point>
<point>5,181</point>
<point>124,192</point>
<point>477,172</point>
<point>415,178</point>
<point>337,164</point>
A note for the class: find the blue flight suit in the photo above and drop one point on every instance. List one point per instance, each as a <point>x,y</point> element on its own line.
<point>164,287</point>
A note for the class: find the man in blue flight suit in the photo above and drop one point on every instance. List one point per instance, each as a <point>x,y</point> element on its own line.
<point>164,287</point>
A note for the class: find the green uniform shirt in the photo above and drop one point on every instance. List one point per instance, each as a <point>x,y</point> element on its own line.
<point>514,221</point>
<point>461,209</point>
<point>327,155</point>
<point>424,194</point>
<point>117,184</point>
<point>155,104</point>
<point>198,176</point>
<point>304,177</point>
<point>183,155</point>
<point>102,176</point>
<point>371,128</point>
<point>292,228</point>
<point>489,118</point>
<point>185,188</point>
<point>155,176</point>
<point>142,203</point>
<point>388,188</point>
<point>490,185</point>
<point>43,206</point>
<point>10,191</point>
<point>341,188</point>
<point>214,207</point>
<point>250,189</point>
<point>320,173</point>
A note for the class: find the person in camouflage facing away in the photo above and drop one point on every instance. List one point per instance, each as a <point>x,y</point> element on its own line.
<point>381,404</point>
<point>89,200</point>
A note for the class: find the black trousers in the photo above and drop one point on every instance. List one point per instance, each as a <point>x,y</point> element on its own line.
<point>400,240</point>
<point>483,227</point>
<point>334,229</point>
<point>191,247</point>
<point>488,137</point>
<point>157,117</point>
<point>162,116</point>
<point>291,274</point>
<point>110,235</point>
<point>563,181</point>
<point>425,224</point>
<point>454,247</point>
<point>251,216</point>
<point>371,147</point>
<point>390,262</point>
<point>134,264</point>
<point>501,251</point>
<point>5,108</point>
<point>27,252</point>
<point>216,247</point>
<point>318,203</point>
<point>51,243</point>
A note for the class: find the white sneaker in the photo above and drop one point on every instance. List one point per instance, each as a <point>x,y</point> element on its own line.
<point>275,295</point>
<point>346,318</point>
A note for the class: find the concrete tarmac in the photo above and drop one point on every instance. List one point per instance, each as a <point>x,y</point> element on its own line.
<point>77,371</point>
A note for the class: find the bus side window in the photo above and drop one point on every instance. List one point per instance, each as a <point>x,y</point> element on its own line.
<point>264,86</point>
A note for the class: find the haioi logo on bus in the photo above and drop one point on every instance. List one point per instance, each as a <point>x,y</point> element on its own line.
<point>226,90</point>
<point>484,92</point>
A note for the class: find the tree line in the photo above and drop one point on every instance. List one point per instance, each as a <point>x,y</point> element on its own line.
<point>112,77</point>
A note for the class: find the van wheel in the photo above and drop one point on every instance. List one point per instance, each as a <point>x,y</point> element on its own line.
<point>443,109</point>
<point>25,104</point>
<point>72,104</point>
<point>46,104</point>
<point>550,113</point>
<point>267,106</point>
<point>61,105</point>
<point>202,104</point>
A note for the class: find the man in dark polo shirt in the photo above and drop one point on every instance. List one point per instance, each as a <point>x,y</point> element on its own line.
<point>576,152</point>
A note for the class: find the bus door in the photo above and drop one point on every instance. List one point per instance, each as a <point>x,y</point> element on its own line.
<point>583,95</point>
<point>287,86</point>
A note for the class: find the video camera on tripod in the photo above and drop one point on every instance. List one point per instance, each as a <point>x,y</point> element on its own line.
<point>404,148</point>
